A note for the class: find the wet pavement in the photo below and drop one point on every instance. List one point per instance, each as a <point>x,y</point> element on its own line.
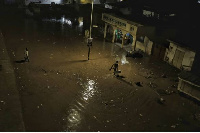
<point>60,90</point>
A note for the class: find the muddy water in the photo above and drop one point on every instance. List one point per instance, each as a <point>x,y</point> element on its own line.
<point>61,90</point>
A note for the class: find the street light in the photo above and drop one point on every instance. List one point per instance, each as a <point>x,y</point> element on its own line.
<point>89,43</point>
<point>91,20</point>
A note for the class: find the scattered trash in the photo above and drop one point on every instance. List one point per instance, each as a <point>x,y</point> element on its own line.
<point>168,92</point>
<point>152,85</point>
<point>161,100</point>
<point>138,84</point>
<point>174,86</point>
<point>151,73</point>
<point>173,126</point>
<point>141,115</point>
<point>164,76</point>
<point>44,70</point>
<point>38,107</point>
<point>148,77</point>
<point>197,116</point>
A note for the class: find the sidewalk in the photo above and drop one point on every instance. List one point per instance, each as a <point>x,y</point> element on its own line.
<point>10,107</point>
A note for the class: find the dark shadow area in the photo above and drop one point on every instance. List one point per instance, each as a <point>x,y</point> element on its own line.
<point>0,67</point>
<point>121,78</point>
<point>134,54</point>
<point>20,61</point>
<point>138,84</point>
<point>189,98</point>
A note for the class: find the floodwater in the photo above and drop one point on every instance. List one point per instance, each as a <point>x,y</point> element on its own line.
<point>61,90</point>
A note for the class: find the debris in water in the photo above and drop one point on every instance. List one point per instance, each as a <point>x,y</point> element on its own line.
<point>138,84</point>
<point>164,76</point>
<point>174,86</point>
<point>141,115</point>
<point>173,126</point>
<point>161,100</point>
<point>197,117</point>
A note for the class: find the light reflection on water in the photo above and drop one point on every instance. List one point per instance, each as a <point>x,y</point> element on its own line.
<point>76,112</point>
<point>70,22</point>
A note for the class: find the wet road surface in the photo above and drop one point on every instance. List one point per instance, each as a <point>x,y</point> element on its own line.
<point>61,90</point>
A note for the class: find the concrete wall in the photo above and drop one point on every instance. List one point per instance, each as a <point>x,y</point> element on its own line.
<point>189,89</point>
<point>188,58</point>
<point>145,46</point>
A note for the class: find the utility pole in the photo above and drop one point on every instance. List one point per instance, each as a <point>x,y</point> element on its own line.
<point>89,41</point>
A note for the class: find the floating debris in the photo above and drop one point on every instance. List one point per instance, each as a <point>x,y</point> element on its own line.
<point>138,84</point>
<point>173,126</point>
<point>152,85</point>
<point>161,100</point>
<point>164,76</point>
<point>197,116</point>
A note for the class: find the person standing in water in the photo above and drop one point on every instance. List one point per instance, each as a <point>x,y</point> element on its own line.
<point>26,55</point>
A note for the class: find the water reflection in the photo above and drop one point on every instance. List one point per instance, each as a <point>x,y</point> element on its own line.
<point>75,115</point>
<point>76,23</point>
<point>89,91</point>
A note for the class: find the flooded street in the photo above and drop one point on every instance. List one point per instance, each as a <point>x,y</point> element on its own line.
<point>60,90</point>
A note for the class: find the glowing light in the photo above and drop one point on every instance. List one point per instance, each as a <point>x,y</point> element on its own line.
<point>80,24</point>
<point>123,60</point>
